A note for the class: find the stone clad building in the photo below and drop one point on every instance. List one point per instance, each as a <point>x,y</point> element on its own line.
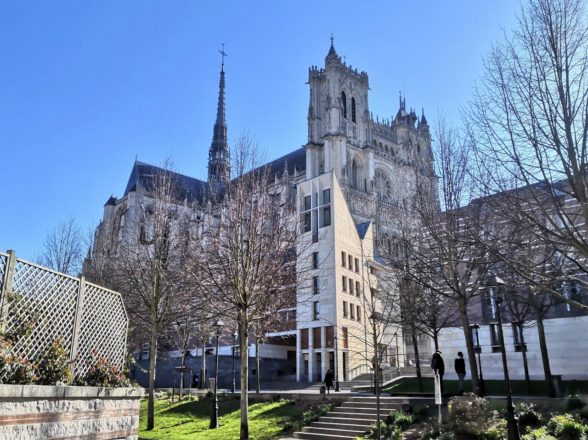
<point>352,184</point>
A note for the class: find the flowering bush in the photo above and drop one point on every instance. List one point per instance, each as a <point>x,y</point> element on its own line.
<point>469,415</point>
<point>14,369</point>
<point>54,368</point>
<point>103,373</point>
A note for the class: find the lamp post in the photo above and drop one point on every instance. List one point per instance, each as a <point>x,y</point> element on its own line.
<point>475,329</point>
<point>218,326</point>
<point>336,363</point>
<point>234,345</point>
<point>495,284</point>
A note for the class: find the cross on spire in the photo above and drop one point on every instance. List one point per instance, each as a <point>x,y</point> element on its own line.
<point>223,55</point>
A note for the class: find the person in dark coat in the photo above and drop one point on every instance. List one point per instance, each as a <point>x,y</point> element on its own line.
<point>438,366</point>
<point>329,380</point>
<point>460,370</point>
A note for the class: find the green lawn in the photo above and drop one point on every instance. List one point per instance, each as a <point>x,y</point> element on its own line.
<point>190,420</point>
<point>493,387</point>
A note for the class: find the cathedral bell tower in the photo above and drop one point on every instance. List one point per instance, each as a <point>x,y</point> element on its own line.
<point>219,167</point>
<point>338,120</point>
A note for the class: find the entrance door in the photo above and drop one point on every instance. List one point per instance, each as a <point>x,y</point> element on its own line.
<point>345,366</point>
<point>331,361</point>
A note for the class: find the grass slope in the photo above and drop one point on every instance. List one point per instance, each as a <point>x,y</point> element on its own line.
<point>190,420</point>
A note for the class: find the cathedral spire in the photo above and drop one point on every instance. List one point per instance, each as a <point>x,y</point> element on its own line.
<point>218,156</point>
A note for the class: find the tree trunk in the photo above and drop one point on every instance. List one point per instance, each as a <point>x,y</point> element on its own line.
<point>257,365</point>
<point>416,358</point>
<point>465,323</point>
<point>202,383</point>
<point>545,357</point>
<point>243,341</point>
<point>151,390</point>
<point>525,363</point>
<point>436,340</point>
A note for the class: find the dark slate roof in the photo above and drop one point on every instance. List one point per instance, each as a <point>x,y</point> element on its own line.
<point>294,160</point>
<point>187,188</point>
<point>362,229</point>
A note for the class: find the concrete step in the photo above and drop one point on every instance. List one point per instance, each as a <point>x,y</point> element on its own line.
<point>317,436</point>
<point>356,410</point>
<point>383,405</point>
<point>352,420</point>
<point>334,431</point>
<point>342,425</point>
<point>355,415</point>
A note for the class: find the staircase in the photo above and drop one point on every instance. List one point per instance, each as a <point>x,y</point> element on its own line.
<point>350,420</point>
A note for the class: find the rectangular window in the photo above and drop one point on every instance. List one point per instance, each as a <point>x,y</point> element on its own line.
<point>316,310</point>
<point>327,216</point>
<point>307,221</point>
<point>316,337</point>
<point>350,261</point>
<point>326,196</point>
<point>330,336</point>
<point>517,334</point>
<point>344,281</point>
<point>351,286</point>
<point>357,265</point>
<point>358,314</point>
<point>304,338</point>
<point>315,285</point>
<point>494,338</point>
<point>357,288</point>
<point>372,292</point>
<point>344,309</point>
<point>351,311</point>
<point>343,259</point>
<point>307,204</point>
<point>345,337</point>
<point>315,260</point>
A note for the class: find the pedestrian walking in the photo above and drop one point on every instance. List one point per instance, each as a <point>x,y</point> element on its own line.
<point>460,370</point>
<point>438,366</point>
<point>329,380</point>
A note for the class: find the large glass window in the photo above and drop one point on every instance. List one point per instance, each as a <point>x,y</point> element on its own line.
<point>316,310</point>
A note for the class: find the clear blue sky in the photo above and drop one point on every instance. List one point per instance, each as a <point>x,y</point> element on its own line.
<point>87,86</point>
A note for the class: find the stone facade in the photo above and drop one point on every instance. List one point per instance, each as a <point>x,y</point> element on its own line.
<point>370,166</point>
<point>53,412</point>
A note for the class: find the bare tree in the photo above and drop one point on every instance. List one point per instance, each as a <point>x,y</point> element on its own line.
<point>150,271</point>
<point>242,264</point>
<point>530,120</point>
<point>444,254</point>
<point>62,249</point>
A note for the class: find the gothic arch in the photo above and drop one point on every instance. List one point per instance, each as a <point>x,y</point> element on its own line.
<point>383,184</point>
<point>356,172</point>
<point>344,104</point>
<point>353,113</point>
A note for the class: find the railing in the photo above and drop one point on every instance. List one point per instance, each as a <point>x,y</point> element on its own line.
<point>88,319</point>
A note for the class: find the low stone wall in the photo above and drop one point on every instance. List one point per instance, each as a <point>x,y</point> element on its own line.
<point>68,412</point>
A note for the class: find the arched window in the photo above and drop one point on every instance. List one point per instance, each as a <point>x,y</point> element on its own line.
<point>353,110</point>
<point>344,102</point>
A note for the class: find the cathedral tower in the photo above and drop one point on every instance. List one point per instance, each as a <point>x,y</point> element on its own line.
<point>219,167</point>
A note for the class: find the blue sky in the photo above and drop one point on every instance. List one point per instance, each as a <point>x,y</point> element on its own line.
<point>88,86</point>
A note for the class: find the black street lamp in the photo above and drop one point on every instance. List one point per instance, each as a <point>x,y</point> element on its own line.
<point>496,285</point>
<point>475,329</point>
<point>218,326</point>
<point>336,362</point>
<point>234,349</point>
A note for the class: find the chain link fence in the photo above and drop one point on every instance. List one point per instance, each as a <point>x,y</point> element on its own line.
<point>43,305</point>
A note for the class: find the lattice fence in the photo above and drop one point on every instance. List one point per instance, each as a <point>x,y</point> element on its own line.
<point>87,318</point>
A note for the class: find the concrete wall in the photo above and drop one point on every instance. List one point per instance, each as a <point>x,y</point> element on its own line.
<point>566,343</point>
<point>52,412</point>
<point>271,370</point>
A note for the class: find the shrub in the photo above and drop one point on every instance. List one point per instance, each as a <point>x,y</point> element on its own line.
<point>528,415</point>
<point>538,434</point>
<point>574,402</point>
<point>103,373</point>
<point>496,432</point>
<point>469,416</point>
<point>54,367</point>
<point>14,368</point>
<point>567,427</point>
<point>400,419</point>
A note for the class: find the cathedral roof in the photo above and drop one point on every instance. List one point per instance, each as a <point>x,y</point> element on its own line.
<point>187,188</point>
<point>296,160</point>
